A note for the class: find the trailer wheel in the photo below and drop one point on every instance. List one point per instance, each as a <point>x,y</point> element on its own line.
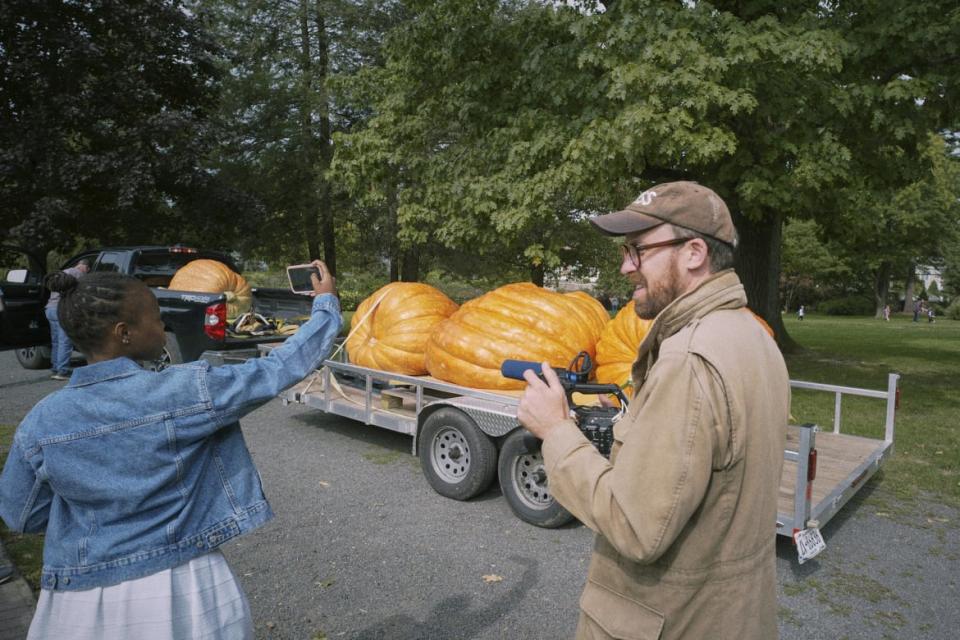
<point>37,357</point>
<point>458,459</point>
<point>523,482</point>
<point>170,356</point>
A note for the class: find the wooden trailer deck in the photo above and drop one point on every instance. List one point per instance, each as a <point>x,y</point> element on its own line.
<point>844,463</point>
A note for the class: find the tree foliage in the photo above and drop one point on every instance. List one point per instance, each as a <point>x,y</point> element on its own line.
<point>280,108</point>
<point>478,137</point>
<point>810,269</point>
<point>104,109</point>
<point>500,123</point>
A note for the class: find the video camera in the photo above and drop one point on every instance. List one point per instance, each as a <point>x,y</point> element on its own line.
<point>595,422</point>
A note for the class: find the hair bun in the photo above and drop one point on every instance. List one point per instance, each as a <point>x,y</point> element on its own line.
<point>61,282</point>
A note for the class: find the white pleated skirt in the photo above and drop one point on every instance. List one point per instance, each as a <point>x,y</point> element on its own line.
<point>198,599</point>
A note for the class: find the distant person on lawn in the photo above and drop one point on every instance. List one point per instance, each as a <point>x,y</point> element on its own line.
<point>137,477</point>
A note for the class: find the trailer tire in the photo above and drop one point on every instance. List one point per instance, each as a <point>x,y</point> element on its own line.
<point>457,458</point>
<point>37,357</point>
<point>523,482</point>
<point>171,354</point>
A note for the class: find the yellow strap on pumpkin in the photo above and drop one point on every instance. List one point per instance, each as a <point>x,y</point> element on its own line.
<point>359,324</point>
<point>333,378</point>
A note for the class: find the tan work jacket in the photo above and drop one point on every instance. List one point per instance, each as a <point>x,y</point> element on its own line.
<point>685,510</point>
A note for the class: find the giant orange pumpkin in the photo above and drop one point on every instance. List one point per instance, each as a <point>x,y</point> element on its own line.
<point>617,347</point>
<point>516,321</point>
<point>211,276</point>
<point>389,329</point>
<point>763,323</point>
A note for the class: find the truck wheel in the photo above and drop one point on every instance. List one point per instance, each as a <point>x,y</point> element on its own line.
<point>523,482</point>
<point>458,459</point>
<point>171,354</point>
<point>34,357</point>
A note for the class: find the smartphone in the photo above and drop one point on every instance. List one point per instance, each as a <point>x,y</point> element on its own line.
<point>299,277</point>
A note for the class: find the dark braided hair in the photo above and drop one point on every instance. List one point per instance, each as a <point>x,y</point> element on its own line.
<point>91,305</point>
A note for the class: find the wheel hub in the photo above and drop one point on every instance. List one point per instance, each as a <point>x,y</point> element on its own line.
<point>450,455</point>
<point>530,480</point>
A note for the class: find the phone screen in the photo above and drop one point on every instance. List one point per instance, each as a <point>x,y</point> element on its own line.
<point>300,278</point>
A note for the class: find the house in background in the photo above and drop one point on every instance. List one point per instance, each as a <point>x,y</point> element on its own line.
<point>927,275</point>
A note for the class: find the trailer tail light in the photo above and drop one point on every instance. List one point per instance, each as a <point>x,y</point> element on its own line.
<point>215,321</point>
<point>811,473</point>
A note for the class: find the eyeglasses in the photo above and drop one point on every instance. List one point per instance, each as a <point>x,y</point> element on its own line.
<point>635,251</point>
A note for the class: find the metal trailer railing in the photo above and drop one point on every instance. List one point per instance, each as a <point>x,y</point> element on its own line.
<point>813,504</point>
<point>405,403</point>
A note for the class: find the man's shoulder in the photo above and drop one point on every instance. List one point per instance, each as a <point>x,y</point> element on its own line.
<point>718,324</point>
<point>722,333</point>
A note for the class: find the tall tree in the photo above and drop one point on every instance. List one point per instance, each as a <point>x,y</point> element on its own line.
<point>810,269</point>
<point>905,226</point>
<point>104,108</point>
<point>280,111</point>
<point>507,118</point>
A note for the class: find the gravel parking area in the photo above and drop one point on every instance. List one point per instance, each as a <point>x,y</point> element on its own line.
<point>363,548</point>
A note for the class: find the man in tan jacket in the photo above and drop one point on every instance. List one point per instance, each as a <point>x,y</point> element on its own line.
<point>685,509</point>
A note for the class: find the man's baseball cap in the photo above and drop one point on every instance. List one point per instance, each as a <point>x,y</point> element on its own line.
<point>684,204</point>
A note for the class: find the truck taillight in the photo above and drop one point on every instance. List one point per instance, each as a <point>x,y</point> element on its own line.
<point>215,321</point>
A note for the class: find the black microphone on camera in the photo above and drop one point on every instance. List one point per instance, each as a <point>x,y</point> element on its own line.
<point>596,423</point>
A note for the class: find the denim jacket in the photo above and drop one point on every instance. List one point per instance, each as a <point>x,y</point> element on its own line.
<point>131,472</point>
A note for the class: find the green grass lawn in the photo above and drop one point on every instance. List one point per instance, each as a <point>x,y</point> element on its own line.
<point>860,352</point>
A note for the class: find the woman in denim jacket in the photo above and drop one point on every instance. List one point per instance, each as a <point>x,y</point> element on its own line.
<point>137,477</point>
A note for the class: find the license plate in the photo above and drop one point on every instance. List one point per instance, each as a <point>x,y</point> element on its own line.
<point>809,544</point>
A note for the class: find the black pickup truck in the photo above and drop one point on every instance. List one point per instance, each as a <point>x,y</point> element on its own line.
<point>196,323</point>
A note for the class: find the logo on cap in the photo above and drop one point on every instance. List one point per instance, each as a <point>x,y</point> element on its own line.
<point>645,198</point>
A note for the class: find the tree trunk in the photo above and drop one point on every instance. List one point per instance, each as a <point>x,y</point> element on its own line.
<point>908,295</point>
<point>311,226</point>
<point>326,148</point>
<point>537,274</point>
<point>758,265</point>
<point>410,265</point>
<point>882,287</point>
<point>392,231</point>
<point>327,230</point>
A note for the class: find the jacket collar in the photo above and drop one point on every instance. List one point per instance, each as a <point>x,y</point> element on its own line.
<point>721,290</point>
<point>106,370</point>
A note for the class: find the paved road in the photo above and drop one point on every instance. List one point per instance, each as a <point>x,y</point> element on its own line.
<point>363,548</point>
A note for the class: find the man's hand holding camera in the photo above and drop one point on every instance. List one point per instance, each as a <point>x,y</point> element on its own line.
<point>543,405</point>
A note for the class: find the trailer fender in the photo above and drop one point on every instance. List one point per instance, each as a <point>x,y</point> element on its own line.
<point>495,419</point>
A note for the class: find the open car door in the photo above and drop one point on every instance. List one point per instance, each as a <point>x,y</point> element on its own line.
<point>22,298</point>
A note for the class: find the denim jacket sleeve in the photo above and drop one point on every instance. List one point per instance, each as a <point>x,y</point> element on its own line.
<point>24,496</point>
<point>236,390</point>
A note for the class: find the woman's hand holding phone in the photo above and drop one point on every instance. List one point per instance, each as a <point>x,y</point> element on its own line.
<point>326,283</point>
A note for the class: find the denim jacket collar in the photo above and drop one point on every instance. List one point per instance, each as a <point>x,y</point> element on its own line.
<point>106,370</point>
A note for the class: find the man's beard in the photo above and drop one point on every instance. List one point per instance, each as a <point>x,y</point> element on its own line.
<point>660,294</point>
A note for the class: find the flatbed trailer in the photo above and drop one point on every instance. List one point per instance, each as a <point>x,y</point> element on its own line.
<point>466,437</point>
